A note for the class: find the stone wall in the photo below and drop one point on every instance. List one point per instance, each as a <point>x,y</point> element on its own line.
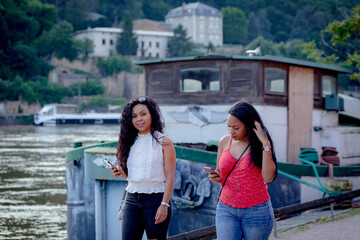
<point>86,66</point>
<point>18,108</point>
<point>125,84</point>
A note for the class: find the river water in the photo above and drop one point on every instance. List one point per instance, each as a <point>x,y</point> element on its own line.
<point>32,177</point>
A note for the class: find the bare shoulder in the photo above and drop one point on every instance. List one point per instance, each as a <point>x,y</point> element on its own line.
<point>224,141</point>
<point>167,141</point>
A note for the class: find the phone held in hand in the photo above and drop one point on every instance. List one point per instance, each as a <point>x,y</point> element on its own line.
<point>109,164</point>
<point>210,170</point>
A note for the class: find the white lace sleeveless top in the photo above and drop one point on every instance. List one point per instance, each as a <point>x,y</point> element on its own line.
<point>146,173</point>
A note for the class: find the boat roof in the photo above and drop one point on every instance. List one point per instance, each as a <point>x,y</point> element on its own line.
<point>291,61</point>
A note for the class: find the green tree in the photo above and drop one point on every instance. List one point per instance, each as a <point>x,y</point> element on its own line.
<point>265,24</point>
<point>268,47</point>
<point>20,24</point>
<point>235,25</point>
<point>59,41</point>
<point>117,9</point>
<point>127,44</point>
<point>258,25</point>
<point>280,23</point>
<point>298,30</point>
<point>314,54</point>
<point>24,60</point>
<point>294,49</point>
<point>93,87</point>
<point>253,27</point>
<point>179,45</point>
<point>45,92</point>
<point>343,46</point>
<point>114,65</point>
<point>18,88</point>
<point>155,9</point>
<point>345,40</point>
<point>86,47</point>
<point>76,13</point>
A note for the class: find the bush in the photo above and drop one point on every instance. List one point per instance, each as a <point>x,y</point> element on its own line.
<point>101,102</point>
<point>114,65</point>
<point>89,88</point>
<point>32,91</point>
<point>93,87</point>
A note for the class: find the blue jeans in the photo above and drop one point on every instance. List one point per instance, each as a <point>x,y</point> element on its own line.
<point>254,223</point>
<point>139,215</point>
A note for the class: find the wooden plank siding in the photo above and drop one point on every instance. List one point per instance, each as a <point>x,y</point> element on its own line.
<point>238,80</point>
<point>301,91</point>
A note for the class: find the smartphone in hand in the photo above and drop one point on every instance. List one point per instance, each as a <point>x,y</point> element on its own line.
<point>109,164</point>
<point>210,170</point>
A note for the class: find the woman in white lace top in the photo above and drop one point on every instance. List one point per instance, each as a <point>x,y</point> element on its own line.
<point>146,157</point>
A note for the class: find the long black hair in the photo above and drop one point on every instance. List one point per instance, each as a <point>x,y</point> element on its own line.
<point>128,133</point>
<point>247,114</point>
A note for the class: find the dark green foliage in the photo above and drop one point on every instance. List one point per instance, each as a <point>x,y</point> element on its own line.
<point>114,65</point>
<point>235,25</point>
<point>299,28</point>
<point>155,9</point>
<point>117,9</point>
<point>59,41</point>
<point>45,92</point>
<point>86,47</point>
<point>38,90</point>
<point>76,13</point>
<point>88,88</point>
<point>93,87</point>
<point>3,90</point>
<point>101,22</point>
<point>179,44</point>
<point>259,25</point>
<point>101,102</point>
<point>127,45</point>
<point>292,49</point>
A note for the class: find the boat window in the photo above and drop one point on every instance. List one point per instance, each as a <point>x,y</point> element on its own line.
<point>200,79</point>
<point>328,85</point>
<point>275,79</point>
<point>66,109</point>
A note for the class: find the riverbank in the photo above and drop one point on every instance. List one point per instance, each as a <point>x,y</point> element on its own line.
<point>319,225</point>
<point>17,120</point>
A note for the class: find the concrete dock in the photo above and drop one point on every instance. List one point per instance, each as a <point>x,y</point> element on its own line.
<point>319,225</point>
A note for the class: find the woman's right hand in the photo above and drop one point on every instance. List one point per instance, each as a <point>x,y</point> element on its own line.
<point>215,177</point>
<point>118,172</point>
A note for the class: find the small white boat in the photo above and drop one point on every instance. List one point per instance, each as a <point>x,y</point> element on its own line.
<point>54,114</point>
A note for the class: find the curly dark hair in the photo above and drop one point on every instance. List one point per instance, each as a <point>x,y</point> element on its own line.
<point>247,114</point>
<point>128,133</point>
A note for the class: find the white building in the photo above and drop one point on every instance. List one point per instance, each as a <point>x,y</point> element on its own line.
<point>104,39</point>
<point>152,38</point>
<point>203,23</point>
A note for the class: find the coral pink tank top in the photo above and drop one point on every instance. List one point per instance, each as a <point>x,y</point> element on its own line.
<point>245,186</point>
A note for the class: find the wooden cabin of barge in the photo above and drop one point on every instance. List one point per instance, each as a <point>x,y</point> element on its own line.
<point>300,88</point>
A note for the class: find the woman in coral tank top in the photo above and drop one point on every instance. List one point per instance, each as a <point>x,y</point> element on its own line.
<point>246,162</point>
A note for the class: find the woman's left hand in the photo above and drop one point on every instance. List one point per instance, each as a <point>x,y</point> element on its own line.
<point>161,214</point>
<point>261,134</point>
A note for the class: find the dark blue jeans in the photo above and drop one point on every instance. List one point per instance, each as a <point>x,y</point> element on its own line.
<point>139,215</point>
